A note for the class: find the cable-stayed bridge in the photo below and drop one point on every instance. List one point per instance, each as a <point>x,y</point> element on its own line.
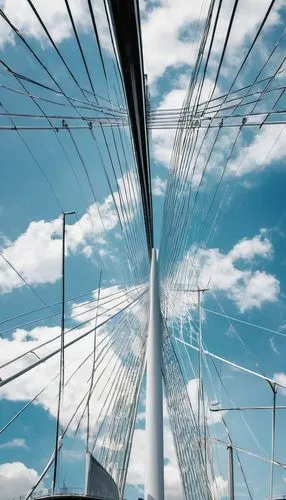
<point>142,335</point>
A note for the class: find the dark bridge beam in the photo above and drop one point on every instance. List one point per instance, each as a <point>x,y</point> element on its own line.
<point>125,20</point>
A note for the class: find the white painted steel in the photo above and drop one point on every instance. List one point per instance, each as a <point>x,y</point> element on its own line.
<point>154,465</point>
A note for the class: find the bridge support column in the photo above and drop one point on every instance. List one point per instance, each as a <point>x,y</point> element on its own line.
<point>154,466</point>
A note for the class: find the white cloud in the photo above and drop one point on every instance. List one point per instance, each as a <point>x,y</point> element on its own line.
<point>173,488</point>
<point>219,487</point>
<point>27,386</point>
<point>163,140</point>
<point>136,471</point>
<point>172,26</point>
<point>257,287</point>
<point>16,479</point>
<point>135,474</point>
<point>110,357</point>
<point>273,345</point>
<point>73,455</point>
<point>280,378</point>
<point>227,272</point>
<point>158,186</point>
<point>177,304</point>
<point>86,310</point>
<point>141,416</point>
<point>258,153</point>
<point>36,253</point>
<point>267,146</point>
<point>165,25</point>
<point>15,443</point>
<point>211,417</point>
<point>54,15</point>
<point>247,249</point>
<point>161,29</point>
<point>173,17</point>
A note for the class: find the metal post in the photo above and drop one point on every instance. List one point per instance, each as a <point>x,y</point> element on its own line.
<point>87,465</point>
<point>274,390</point>
<point>200,362</point>
<point>154,466</point>
<point>62,353</point>
<point>230,473</point>
<point>41,477</point>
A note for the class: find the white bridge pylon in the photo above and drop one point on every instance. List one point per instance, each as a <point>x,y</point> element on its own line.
<point>154,460</point>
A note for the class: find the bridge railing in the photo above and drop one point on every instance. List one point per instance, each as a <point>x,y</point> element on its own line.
<point>66,491</point>
<point>62,492</point>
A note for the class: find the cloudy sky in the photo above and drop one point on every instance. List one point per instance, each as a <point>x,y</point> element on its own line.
<point>231,232</point>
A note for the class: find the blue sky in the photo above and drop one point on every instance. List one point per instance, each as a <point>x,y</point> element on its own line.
<point>242,259</point>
